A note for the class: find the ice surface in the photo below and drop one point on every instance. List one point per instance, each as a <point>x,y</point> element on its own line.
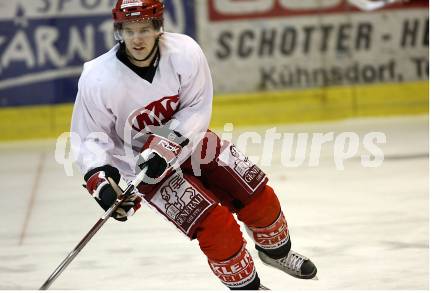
<point>365,228</point>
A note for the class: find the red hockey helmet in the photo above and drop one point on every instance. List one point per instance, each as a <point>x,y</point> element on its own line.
<point>132,10</point>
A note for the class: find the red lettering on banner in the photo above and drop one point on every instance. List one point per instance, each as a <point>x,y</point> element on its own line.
<point>224,10</point>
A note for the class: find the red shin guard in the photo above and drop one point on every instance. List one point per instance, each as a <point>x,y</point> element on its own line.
<point>221,241</point>
<point>267,224</point>
<point>238,272</point>
<point>219,235</point>
<point>273,237</point>
<point>262,210</point>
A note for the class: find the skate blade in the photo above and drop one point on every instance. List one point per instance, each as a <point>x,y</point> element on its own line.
<point>263,288</point>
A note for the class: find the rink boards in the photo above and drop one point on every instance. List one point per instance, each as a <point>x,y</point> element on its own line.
<point>276,107</point>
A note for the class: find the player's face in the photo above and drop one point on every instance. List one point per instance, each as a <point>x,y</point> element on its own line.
<point>139,38</point>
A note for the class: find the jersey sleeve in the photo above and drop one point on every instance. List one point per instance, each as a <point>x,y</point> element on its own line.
<point>92,124</point>
<point>196,93</point>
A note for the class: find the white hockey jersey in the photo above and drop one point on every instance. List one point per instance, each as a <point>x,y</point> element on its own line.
<point>114,104</point>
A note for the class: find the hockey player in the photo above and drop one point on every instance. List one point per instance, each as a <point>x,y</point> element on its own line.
<point>151,95</point>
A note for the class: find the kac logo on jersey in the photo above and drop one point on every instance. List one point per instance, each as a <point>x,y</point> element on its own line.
<point>155,113</point>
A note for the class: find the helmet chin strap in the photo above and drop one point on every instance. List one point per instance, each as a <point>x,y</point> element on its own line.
<point>156,43</point>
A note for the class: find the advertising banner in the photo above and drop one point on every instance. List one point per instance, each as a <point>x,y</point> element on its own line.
<point>44,43</point>
<point>264,45</point>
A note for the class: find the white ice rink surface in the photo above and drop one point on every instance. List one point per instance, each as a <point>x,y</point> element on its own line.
<point>364,228</point>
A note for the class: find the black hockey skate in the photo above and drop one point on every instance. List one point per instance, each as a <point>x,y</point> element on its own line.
<point>293,264</point>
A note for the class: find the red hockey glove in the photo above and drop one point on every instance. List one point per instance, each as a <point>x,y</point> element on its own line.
<point>159,153</point>
<point>105,195</point>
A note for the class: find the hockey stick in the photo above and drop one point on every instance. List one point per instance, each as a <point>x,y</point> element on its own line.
<point>92,232</point>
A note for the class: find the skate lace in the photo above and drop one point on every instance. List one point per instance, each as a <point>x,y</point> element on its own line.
<point>293,261</point>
